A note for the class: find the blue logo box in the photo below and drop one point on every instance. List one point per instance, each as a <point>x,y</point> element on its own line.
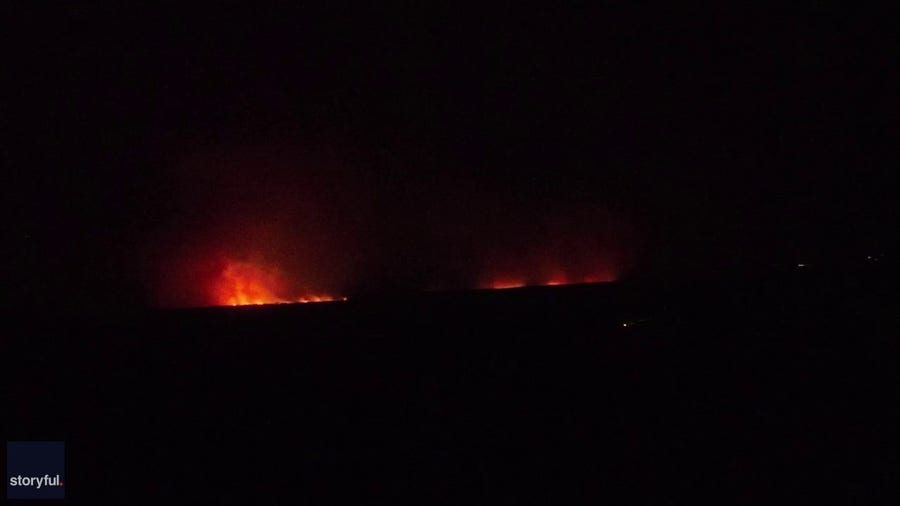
<point>35,469</point>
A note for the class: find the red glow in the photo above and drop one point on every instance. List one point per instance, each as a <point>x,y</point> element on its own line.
<point>503,284</point>
<point>246,283</point>
<point>559,279</point>
<point>318,298</point>
<point>599,277</point>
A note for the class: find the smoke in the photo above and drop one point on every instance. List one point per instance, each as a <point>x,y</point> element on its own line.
<point>259,224</point>
<point>263,224</point>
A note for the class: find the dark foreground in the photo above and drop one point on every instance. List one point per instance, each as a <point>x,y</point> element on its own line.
<point>776,389</point>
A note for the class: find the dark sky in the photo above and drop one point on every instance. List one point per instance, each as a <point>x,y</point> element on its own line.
<point>374,149</point>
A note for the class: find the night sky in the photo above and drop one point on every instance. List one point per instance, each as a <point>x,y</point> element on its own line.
<point>379,149</point>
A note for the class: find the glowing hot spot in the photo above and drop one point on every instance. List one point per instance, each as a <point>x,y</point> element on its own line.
<point>247,283</point>
<point>244,283</point>
<point>507,283</point>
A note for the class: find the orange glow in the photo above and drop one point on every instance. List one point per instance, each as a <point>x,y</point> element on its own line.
<point>246,283</point>
<point>318,298</point>
<point>558,279</point>
<point>504,284</point>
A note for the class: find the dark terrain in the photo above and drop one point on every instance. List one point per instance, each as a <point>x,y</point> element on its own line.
<point>780,387</point>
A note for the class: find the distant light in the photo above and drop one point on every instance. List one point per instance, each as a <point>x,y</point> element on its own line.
<point>624,324</point>
<point>505,285</point>
<point>801,265</point>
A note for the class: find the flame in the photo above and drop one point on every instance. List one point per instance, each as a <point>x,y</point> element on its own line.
<point>318,298</point>
<point>503,284</point>
<point>247,283</point>
<point>556,279</point>
<point>241,283</point>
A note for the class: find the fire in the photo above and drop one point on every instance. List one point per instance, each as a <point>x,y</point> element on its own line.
<point>318,298</point>
<point>246,283</point>
<point>502,283</point>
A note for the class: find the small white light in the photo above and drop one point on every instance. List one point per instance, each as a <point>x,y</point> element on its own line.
<point>801,265</point>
